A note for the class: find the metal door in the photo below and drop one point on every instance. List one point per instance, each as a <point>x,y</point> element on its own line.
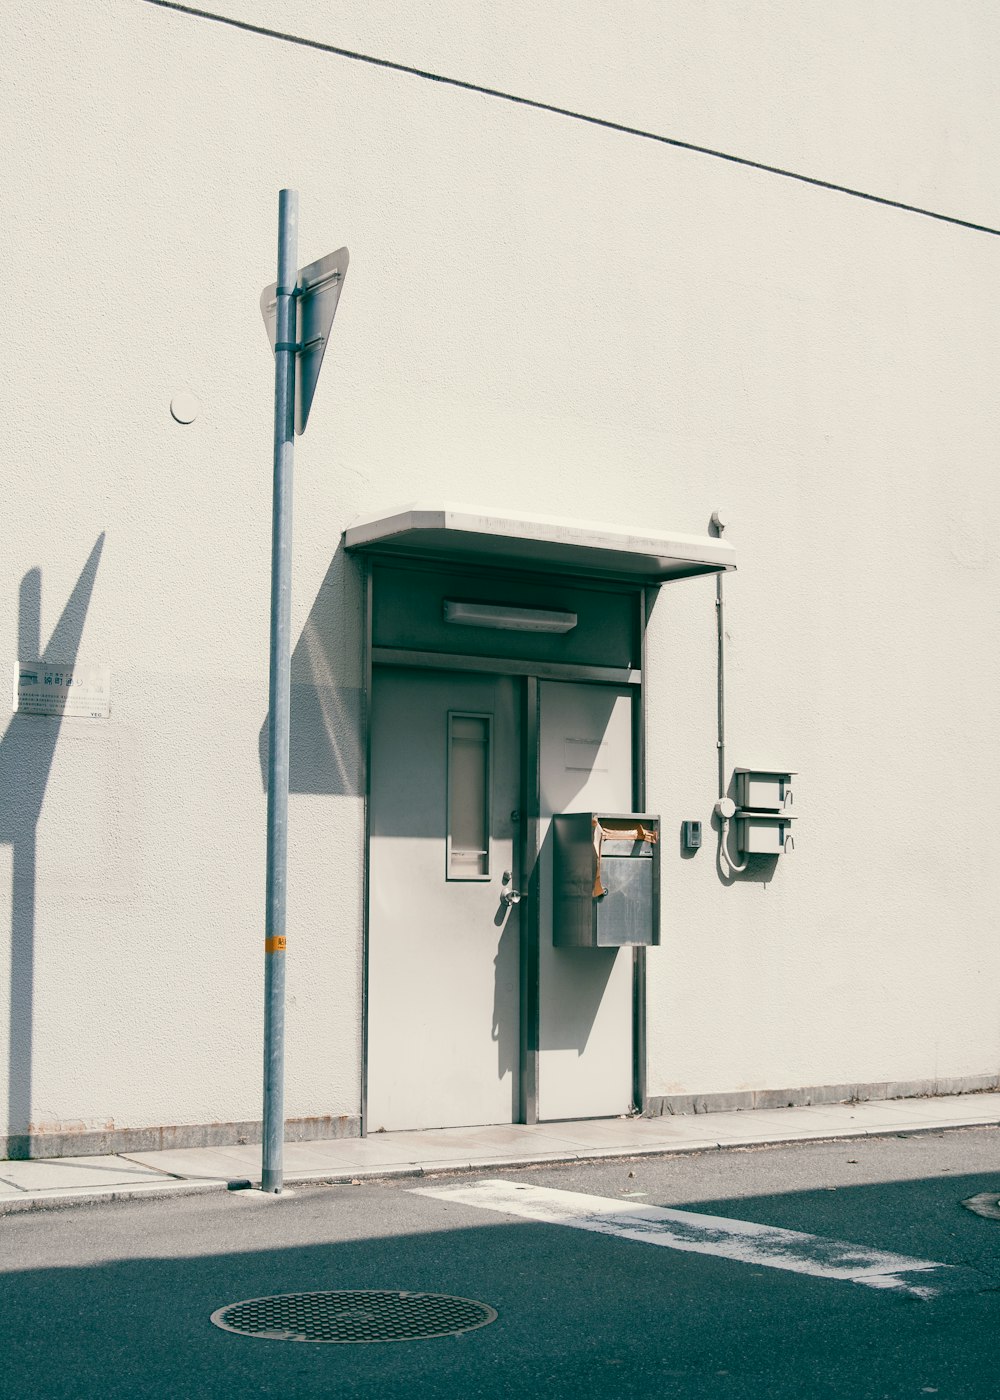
<point>443,942</point>
<point>585,1022</point>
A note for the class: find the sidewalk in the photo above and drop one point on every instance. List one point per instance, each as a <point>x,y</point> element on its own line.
<point>71,1180</point>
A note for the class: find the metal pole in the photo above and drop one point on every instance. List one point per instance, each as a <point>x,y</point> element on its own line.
<point>277,729</point>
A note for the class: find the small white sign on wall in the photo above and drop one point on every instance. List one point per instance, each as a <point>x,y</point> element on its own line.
<point>82,692</point>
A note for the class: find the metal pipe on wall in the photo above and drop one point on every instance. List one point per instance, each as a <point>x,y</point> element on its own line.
<point>724,808</point>
<point>720,623</point>
<point>719,523</point>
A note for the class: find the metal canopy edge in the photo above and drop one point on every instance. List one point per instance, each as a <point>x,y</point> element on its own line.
<point>540,542</point>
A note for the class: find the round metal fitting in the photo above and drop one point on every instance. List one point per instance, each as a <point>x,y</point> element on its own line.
<point>353,1315</point>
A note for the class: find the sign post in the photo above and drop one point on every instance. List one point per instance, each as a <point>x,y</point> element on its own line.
<point>298,311</point>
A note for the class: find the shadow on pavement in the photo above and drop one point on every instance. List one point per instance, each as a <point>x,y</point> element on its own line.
<point>580,1314</point>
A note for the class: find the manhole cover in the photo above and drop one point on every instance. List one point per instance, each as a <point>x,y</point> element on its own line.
<point>352,1315</point>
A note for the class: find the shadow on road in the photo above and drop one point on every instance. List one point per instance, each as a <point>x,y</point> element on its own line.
<point>580,1314</point>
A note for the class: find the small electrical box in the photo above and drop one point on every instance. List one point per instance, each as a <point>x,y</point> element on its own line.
<point>761,791</point>
<point>606,880</point>
<point>763,819</point>
<point>691,835</point>
<point>763,833</point>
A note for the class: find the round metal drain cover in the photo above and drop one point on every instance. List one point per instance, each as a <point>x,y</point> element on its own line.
<point>353,1315</point>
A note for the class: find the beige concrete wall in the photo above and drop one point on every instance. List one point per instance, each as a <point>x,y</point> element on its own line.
<point>541,313</point>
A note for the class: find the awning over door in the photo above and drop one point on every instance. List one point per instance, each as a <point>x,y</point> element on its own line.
<point>469,534</point>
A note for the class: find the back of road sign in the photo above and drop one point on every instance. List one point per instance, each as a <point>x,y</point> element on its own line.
<point>319,287</point>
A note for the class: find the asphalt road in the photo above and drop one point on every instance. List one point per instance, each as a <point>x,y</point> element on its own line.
<point>114,1300</point>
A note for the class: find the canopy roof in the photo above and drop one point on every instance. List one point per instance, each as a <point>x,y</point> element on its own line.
<point>472,534</point>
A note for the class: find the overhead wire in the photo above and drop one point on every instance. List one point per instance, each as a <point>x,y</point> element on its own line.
<point>554,109</point>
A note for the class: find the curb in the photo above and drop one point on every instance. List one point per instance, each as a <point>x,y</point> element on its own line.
<point>632,1154</point>
<point>64,1201</point>
<point>20,1205</point>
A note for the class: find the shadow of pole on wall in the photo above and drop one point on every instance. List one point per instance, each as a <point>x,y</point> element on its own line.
<point>325,736</point>
<point>26,753</point>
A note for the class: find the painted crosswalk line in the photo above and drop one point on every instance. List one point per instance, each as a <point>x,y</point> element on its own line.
<point>743,1241</point>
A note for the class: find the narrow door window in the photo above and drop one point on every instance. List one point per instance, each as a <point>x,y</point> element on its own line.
<point>470,793</point>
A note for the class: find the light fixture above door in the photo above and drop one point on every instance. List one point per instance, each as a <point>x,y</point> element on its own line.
<point>508,619</point>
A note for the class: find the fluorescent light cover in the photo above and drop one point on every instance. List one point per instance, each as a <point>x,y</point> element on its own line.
<point>508,619</point>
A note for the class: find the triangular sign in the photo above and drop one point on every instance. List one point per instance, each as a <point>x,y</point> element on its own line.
<point>319,287</point>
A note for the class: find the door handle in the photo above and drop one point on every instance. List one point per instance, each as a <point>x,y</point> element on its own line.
<point>510,896</point>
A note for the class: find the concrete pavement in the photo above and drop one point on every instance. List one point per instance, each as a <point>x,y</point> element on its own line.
<point>64,1181</point>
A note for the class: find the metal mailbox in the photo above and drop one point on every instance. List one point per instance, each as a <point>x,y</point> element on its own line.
<point>606,886</point>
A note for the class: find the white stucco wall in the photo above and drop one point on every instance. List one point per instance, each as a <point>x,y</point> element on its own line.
<point>541,313</point>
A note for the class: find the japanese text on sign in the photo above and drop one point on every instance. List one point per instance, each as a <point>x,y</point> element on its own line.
<point>78,691</point>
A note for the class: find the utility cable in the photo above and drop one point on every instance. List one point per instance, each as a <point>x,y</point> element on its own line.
<point>558,111</point>
<point>724,846</point>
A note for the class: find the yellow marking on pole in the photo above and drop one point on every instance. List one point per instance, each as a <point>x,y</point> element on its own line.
<point>276,944</point>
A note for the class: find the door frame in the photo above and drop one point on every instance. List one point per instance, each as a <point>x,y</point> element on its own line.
<point>530,914</point>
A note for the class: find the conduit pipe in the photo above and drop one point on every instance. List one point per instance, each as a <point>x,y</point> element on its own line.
<point>725,807</point>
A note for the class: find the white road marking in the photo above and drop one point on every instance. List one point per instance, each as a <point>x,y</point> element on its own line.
<point>744,1241</point>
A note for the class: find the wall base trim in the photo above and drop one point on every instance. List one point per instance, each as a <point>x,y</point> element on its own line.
<point>105,1141</point>
<point>659,1105</point>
